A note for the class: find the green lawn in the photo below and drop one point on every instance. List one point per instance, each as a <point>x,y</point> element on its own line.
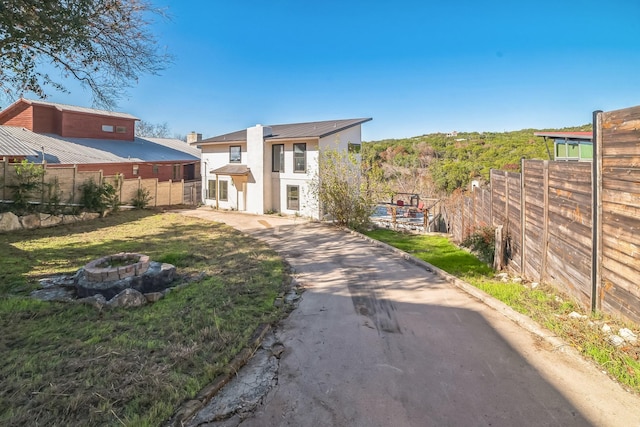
<point>69,364</point>
<point>544,304</point>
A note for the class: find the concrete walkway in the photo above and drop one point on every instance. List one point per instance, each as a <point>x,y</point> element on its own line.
<point>380,341</point>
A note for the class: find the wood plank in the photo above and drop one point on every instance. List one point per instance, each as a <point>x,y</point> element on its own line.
<point>618,300</point>
<point>620,196</point>
<point>559,169</point>
<point>615,228</point>
<point>565,280</point>
<point>617,161</point>
<point>624,211</point>
<point>627,260</point>
<point>563,186</point>
<point>572,212</point>
<point>571,231</point>
<point>622,173</point>
<point>620,119</point>
<point>611,276</point>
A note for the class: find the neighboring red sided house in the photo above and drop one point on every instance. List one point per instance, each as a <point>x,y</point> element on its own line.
<point>271,168</point>
<point>92,140</point>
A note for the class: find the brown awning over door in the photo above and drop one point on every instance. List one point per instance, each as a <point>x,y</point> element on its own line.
<point>232,170</point>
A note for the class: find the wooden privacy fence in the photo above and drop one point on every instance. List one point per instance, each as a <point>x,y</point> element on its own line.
<point>574,225</point>
<point>69,180</point>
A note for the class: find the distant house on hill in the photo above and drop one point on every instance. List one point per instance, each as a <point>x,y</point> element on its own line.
<point>270,168</point>
<point>91,140</point>
<point>570,146</point>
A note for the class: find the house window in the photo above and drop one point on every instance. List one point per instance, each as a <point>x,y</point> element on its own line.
<point>235,154</point>
<point>211,189</point>
<point>277,164</point>
<point>293,197</point>
<point>224,187</point>
<point>136,169</point>
<point>176,172</point>
<point>121,129</point>
<point>155,169</point>
<point>299,157</point>
<point>586,151</point>
<point>107,128</point>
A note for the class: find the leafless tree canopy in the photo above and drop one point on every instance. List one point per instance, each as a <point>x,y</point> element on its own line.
<point>104,44</point>
<point>152,130</point>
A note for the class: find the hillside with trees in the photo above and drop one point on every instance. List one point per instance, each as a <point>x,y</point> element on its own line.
<point>435,164</point>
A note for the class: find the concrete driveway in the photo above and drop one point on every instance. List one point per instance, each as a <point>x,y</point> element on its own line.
<point>380,341</point>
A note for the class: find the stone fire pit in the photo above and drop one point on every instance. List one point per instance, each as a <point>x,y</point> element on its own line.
<point>110,275</point>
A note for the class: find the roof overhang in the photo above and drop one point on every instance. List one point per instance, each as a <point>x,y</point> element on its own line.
<point>585,136</point>
<point>232,170</point>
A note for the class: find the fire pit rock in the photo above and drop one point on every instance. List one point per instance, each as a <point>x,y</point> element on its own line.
<point>112,274</point>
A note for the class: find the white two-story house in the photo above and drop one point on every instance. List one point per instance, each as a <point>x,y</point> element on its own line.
<point>266,169</point>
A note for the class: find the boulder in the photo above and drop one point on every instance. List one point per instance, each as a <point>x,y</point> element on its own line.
<point>54,293</point>
<point>30,221</point>
<point>47,220</point>
<point>97,301</point>
<point>127,298</point>
<point>153,296</point>
<point>9,222</point>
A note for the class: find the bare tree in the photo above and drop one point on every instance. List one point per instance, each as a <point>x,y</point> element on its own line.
<point>152,130</point>
<point>106,45</point>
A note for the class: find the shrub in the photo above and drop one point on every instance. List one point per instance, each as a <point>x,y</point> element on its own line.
<point>52,197</point>
<point>340,191</point>
<point>98,197</point>
<point>28,180</point>
<point>141,199</point>
<point>483,243</point>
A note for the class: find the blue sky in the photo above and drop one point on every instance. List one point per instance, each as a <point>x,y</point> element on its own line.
<point>415,67</point>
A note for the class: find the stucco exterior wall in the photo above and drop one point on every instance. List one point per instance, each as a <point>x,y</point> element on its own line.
<point>266,190</point>
<point>214,157</point>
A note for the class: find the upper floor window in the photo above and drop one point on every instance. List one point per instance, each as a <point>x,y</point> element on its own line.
<point>277,163</point>
<point>235,154</point>
<point>299,157</point>
<point>107,128</point>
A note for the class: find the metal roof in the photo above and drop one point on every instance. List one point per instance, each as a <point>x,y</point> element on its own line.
<point>10,146</point>
<point>586,136</point>
<point>65,107</point>
<point>63,150</point>
<point>290,131</point>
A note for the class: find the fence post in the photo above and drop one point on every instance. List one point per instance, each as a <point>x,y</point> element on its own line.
<point>4,178</point>
<point>491,182</point>
<point>74,179</point>
<point>596,214</point>
<point>42,182</point>
<point>523,218</point>
<point>498,257</point>
<point>545,219</point>
<point>507,202</point>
